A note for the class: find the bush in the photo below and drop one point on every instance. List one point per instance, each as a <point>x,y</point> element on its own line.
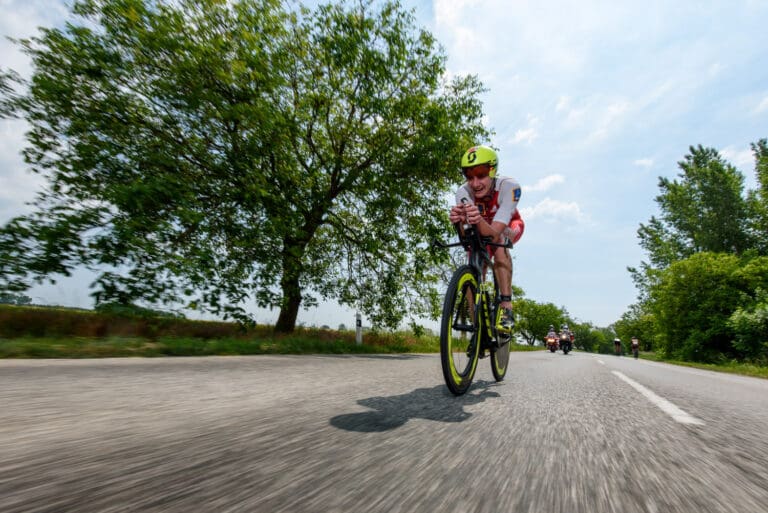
<point>9,298</point>
<point>695,298</point>
<point>750,327</point>
<point>17,321</point>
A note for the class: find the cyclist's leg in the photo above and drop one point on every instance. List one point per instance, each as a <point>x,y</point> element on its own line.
<point>502,267</point>
<point>502,260</point>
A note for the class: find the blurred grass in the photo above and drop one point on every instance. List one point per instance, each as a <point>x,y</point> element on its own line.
<point>50,332</point>
<point>303,343</point>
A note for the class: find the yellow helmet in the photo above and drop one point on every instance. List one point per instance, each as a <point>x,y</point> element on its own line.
<point>478,155</point>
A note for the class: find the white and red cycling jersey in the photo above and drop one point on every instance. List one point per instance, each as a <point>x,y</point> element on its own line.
<point>500,206</point>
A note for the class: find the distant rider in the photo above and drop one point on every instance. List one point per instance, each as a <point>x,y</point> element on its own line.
<point>564,330</point>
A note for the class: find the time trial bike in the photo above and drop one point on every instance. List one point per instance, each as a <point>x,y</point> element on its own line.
<point>470,323</point>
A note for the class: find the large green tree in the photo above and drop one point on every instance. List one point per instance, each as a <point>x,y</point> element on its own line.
<point>637,321</point>
<point>591,338</point>
<point>216,153</point>
<point>704,209</point>
<point>532,319</point>
<point>695,299</point>
<point>699,288</point>
<point>758,199</point>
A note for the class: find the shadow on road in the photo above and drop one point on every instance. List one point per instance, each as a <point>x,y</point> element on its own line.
<point>435,403</point>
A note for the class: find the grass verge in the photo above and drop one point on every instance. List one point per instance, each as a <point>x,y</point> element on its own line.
<point>301,342</point>
<point>732,367</point>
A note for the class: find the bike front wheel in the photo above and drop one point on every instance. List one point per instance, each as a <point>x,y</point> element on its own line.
<point>459,333</point>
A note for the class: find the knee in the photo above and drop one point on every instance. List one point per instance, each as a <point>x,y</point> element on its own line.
<point>517,227</point>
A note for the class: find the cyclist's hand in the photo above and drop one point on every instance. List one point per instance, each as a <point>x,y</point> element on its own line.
<point>457,214</point>
<point>473,214</point>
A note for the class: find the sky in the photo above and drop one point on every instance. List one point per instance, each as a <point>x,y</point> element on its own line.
<point>590,103</point>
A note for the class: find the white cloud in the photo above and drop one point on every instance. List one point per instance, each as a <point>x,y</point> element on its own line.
<point>562,104</point>
<point>525,135</point>
<point>762,106</point>
<point>607,117</point>
<point>553,210</point>
<point>528,134</point>
<point>546,183</point>
<point>463,38</point>
<point>17,185</point>
<point>715,69</point>
<point>20,20</point>
<point>646,162</point>
<point>742,158</point>
<point>596,116</point>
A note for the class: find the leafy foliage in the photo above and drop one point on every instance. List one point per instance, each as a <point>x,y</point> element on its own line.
<point>9,298</point>
<point>750,327</point>
<point>703,210</point>
<point>216,153</point>
<point>696,298</point>
<point>758,199</point>
<point>591,338</point>
<point>638,322</point>
<point>532,319</point>
<point>698,288</point>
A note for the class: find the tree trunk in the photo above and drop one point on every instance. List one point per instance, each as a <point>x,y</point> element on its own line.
<point>286,321</point>
<point>289,283</point>
<point>293,253</point>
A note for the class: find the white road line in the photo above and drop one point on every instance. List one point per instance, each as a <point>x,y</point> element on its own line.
<point>601,362</point>
<point>667,407</point>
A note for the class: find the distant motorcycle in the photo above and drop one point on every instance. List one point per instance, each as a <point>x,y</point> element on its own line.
<point>565,342</point>
<point>552,344</point>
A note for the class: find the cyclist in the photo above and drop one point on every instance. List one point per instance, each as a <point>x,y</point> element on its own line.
<point>491,206</point>
<point>617,346</point>
<point>635,347</point>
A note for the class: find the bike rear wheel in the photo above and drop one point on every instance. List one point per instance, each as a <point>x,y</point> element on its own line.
<point>500,355</point>
<point>459,333</point>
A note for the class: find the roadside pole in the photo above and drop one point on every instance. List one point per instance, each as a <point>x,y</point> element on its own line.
<point>358,329</point>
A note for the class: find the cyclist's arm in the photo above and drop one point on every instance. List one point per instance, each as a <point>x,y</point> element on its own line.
<point>509,196</point>
<point>507,214</point>
<point>495,229</point>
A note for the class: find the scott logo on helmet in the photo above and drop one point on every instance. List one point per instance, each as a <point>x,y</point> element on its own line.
<point>472,157</point>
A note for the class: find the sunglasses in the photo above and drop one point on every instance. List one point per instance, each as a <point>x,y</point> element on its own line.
<point>480,171</point>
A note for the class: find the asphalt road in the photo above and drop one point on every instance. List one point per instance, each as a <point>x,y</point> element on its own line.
<point>570,434</point>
